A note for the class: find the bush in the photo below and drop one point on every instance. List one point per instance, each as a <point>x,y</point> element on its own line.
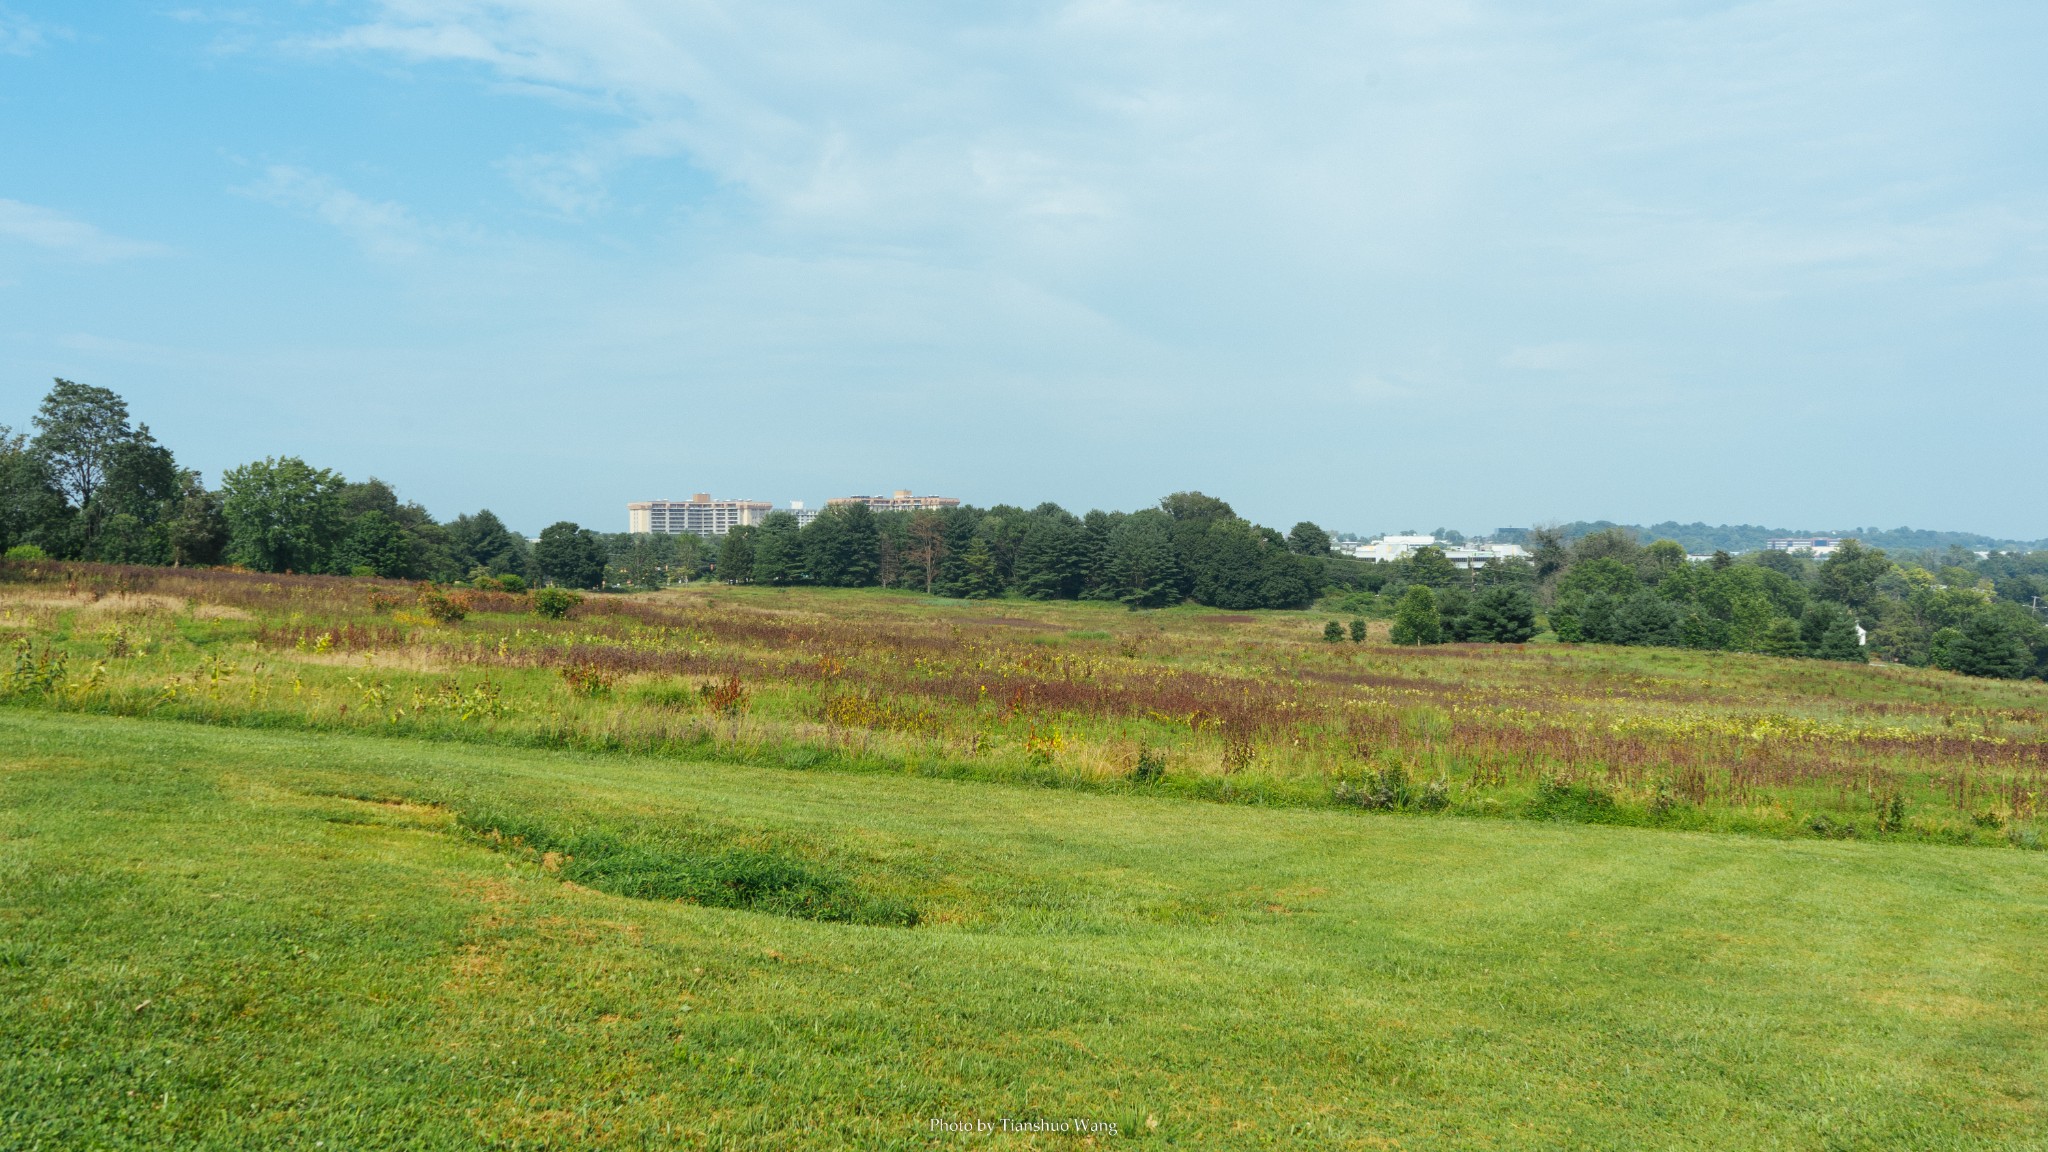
<point>26,552</point>
<point>1559,799</point>
<point>554,603</point>
<point>511,583</point>
<point>437,605</point>
<point>1388,787</point>
<point>1149,768</point>
<point>1358,630</point>
<point>1333,632</point>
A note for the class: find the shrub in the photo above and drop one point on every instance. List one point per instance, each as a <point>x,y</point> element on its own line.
<point>1436,797</point>
<point>1333,632</point>
<point>729,698</point>
<point>511,583</point>
<point>589,679</point>
<point>1358,630</point>
<point>1149,768</point>
<point>2024,836</point>
<point>1389,787</point>
<point>439,606</point>
<point>1828,828</point>
<point>26,552</point>
<point>1559,799</point>
<point>554,603</point>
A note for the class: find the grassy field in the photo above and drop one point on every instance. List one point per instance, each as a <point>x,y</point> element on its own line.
<point>1250,707</point>
<point>222,937</point>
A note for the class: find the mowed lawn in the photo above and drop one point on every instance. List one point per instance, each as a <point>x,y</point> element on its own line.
<point>206,942</point>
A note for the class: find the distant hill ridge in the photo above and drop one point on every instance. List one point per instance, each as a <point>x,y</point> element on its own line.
<point>1703,538</point>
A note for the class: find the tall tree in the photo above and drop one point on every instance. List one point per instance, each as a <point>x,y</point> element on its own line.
<point>1415,618</point>
<point>842,547</point>
<point>778,551</point>
<point>32,510</point>
<point>483,541</point>
<point>1195,507</point>
<point>927,546</point>
<point>1849,577</point>
<point>1143,568</point>
<point>569,556</point>
<point>78,429</point>
<point>283,515</point>
<point>1308,540</point>
<point>736,555</point>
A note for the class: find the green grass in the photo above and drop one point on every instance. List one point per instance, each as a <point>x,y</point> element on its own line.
<point>216,937</point>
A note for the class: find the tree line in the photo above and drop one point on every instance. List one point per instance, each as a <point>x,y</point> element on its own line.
<point>1951,609</point>
<point>1191,547</point>
<point>90,484</point>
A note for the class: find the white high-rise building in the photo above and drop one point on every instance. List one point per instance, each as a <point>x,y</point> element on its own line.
<point>700,515</point>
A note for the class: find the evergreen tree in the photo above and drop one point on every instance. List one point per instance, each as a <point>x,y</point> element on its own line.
<point>1333,633</point>
<point>1989,643</point>
<point>979,577</point>
<point>1143,570</point>
<point>779,549</point>
<point>1051,558</point>
<point>1505,614</point>
<point>736,555</point>
<point>1782,638</point>
<point>1357,630</point>
<point>483,541</point>
<point>841,547</point>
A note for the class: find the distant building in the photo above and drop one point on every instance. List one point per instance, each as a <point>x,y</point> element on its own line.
<point>1819,547</point>
<point>1388,549</point>
<point>900,501</point>
<point>803,515</point>
<point>700,515</point>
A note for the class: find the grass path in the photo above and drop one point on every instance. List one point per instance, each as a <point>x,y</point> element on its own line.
<point>205,943</point>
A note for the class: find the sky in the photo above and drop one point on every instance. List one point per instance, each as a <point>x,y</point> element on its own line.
<point>1378,265</point>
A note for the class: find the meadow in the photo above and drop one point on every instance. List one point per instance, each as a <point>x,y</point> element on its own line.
<point>1241,707</point>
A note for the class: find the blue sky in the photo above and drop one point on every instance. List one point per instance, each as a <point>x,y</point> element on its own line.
<point>1379,265</point>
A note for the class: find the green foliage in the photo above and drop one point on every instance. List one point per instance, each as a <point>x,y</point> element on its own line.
<point>1307,539</point>
<point>841,548</point>
<point>778,551</point>
<point>554,603</point>
<point>1430,568</point>
<point>282,515</point>
<point>1989,644</point>
<point>1357,630</point>
<point>569,556</point>
<point>1504,614</point>
<point>1415,618</point>
<point>1333,632</point>
<point>736,555</point>
<point>1143,566</point>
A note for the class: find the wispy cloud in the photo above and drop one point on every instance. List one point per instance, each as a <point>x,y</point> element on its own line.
<point>20,36</point>
<point>384,229</point>
<point>55,232</point>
